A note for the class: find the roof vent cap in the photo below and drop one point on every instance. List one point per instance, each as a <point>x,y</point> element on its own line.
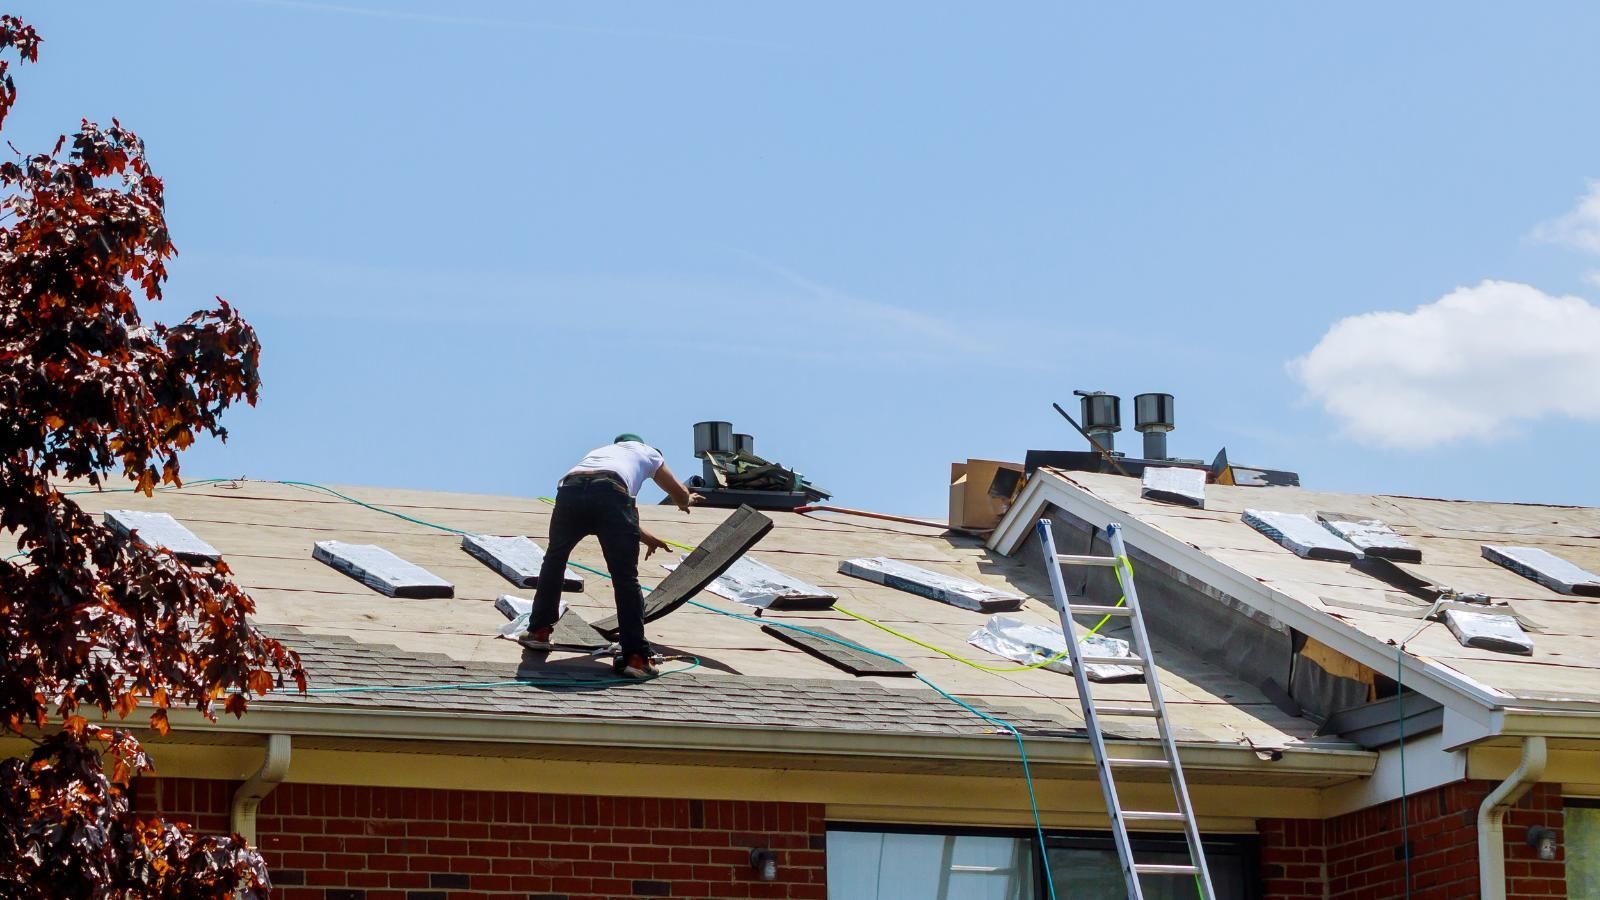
<point>1102,417</point>
<point>712,437</point>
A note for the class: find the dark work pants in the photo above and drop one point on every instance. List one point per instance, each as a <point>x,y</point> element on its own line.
<point>601,507</point>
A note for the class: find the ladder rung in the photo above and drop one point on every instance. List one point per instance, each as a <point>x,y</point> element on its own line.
<point>1073,559</point>
<point>1134,661</point>
<point>1148,712</point>
<point>1087,610</point>
<point>1153,816</point>
<point>1158,869</point>
<point>1138,763</point>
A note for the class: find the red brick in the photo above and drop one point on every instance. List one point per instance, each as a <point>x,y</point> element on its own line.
<point>390,841</point>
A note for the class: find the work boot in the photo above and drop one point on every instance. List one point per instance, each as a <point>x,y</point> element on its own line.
<point>537,638</point>
<point>635,665</point>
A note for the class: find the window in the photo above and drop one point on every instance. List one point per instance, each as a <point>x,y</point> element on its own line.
<point>1582,820</point>
<point>878,865</point>
<point>873,863</point>
<point>1084,866</point>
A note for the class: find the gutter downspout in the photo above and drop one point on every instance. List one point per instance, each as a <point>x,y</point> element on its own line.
<point>1492,814</point>
<point>247,799</point>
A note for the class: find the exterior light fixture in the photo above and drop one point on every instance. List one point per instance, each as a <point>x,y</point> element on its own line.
<point>765,863</point>
<point>1543,840</point>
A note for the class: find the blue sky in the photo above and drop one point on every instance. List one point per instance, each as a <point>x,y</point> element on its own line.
<point>880,237</point>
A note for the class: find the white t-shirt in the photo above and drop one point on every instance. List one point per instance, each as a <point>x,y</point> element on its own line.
<point>631,461</point>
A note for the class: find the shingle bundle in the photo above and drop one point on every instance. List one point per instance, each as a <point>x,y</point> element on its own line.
<point>516,558</point>
<point>1298,533</point>
<point>382,571</point>
<point>944,588</point>
<point>158,529</point>
<point>1546,568</point>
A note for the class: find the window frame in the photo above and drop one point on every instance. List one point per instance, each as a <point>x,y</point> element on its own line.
<point>1041,892</point>
<point>1247,847</point>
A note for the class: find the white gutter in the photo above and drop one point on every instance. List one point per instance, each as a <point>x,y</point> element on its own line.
<point>1492,815</point>
<point>308,721</point>
<point>246,800</point>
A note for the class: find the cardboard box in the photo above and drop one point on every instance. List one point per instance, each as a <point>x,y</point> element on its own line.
<point>974,504</point>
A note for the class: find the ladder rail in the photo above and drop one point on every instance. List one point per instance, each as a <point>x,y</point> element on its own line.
<point>1140,644</point>
<point>1119,830</point>
<point>1180,786</point>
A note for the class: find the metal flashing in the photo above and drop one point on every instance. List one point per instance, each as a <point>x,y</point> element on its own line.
<point>1379,723</point>
<point>382,571</point>
<point>757,584</point>
<point>517,559</point>
<point>1030,643</point>
<point>1297,532</point>
<point>949,589</point>
<point>1546,568</point>
<point>158,529</point>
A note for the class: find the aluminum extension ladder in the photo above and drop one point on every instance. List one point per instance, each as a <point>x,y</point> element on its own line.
<point>1140,645</point>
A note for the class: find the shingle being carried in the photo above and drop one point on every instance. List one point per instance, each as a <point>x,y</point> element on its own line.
<point>944,588</point>
<point>1546,568</point>
<point>382,571</point>
<point>516,558</point>
<point>721,549</point>
<point>1371,536</point>
<point>1173,484</point>
<point>760,585</point>
<point>158,529</point>
<point>1298,533</point>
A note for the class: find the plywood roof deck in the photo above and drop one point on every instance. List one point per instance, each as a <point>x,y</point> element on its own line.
<point>265,531</point>
<point>1565,665</point>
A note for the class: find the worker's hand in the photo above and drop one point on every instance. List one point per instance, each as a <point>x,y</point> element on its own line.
<point>651,544</point>
<point>690,499</point>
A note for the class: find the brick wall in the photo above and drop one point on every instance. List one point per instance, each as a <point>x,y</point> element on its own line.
<point>354,843</point>
<point>1359,857</point>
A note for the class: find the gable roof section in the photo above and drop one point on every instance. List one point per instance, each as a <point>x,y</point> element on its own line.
<point>266,530</point>
<point>1350,610</point>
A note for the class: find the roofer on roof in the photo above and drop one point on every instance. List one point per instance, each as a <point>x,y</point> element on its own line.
<point>597,497</point>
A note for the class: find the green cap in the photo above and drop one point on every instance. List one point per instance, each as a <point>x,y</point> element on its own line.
<point>627,436</point>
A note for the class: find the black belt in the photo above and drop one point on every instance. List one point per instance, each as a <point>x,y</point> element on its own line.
<point>594,476</point>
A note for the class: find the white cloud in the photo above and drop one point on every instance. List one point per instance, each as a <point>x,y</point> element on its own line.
<point>1468,365</point>
<point>1578,229</point>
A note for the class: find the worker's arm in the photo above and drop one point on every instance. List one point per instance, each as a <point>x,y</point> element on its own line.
<point>679,494</point>
<point>651,542</point>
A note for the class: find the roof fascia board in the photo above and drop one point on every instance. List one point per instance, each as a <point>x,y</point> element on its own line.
<point>307,720</point>
<point>1460,730</point>
<point>1427,765</point>
<point>1048,489</point>
<point>1018,522</point>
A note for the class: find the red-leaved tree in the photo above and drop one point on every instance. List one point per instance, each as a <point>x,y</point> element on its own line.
<point>95,626</point>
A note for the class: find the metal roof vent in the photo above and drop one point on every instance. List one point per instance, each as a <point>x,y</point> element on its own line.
<point>712,437</point>
<point>709,438</point>
<point>1102,417</point>
<point>1153,417</point>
